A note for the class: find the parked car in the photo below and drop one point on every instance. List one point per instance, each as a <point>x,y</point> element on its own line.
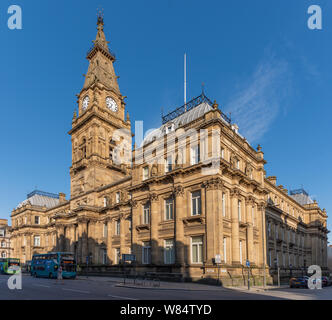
<point>326,282</point>
<point>300,282</point>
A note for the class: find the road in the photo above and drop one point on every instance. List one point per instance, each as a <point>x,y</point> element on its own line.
<point>88,289</point>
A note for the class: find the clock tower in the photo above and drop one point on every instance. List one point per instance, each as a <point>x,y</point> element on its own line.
<point>100,134</point>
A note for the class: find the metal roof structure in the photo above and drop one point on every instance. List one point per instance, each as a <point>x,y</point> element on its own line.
<point>301,196</point>
<point>179,121</point>
<point>41,199</point>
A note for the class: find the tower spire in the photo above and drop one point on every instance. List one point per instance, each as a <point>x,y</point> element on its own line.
<point>100,38</point>
<point>101,60</point>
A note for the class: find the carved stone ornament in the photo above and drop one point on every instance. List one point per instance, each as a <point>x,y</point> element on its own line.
<point>178,191</point>
<point>213,184</point>
<point>153,197</point>
<point>235,192</point>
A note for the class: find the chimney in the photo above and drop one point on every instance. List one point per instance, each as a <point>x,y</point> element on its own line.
<point>272,179</point>
<point>62,198</point>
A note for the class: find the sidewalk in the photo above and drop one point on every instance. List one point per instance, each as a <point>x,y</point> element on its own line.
<point>259,288</point>
<point>164,285</point>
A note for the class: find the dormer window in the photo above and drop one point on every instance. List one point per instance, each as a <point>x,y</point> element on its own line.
<point>169,128</point>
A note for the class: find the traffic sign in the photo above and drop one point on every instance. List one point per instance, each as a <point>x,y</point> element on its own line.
<point>248,263</point>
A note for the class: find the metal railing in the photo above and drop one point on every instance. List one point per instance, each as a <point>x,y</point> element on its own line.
<point>189,106</point>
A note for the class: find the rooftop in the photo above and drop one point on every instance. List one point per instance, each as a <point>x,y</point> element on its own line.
<point>194,109</point>
<point>301,196</point>
<point>41,198</point>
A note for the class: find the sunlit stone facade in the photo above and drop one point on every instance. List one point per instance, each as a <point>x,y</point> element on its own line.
<point>195,191</point>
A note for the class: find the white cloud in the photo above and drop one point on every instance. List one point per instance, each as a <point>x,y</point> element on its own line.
<point>256,105</point>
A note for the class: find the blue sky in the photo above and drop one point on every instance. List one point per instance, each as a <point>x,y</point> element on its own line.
<point>257,58</point>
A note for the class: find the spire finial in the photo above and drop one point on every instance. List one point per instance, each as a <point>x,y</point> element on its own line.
<point>100,16</point>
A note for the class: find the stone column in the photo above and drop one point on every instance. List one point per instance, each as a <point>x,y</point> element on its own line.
<point>262,229</point>
<point>154,219</point>
<point>136,247</point>
<point>109,241</point>
<point>122,234</point>
<point>84,237</point>
<point>179,227</point>
<point>213,216</point>
<point>235,193</point>
<point>250,230</point>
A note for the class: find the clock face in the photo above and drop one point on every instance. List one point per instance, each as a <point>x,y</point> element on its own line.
<point>111,104</point>
<point>85,102</point>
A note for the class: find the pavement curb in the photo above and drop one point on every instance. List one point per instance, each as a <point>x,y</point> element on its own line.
<point>160,288</point>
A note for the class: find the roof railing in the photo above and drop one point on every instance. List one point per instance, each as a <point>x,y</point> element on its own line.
<point>298,191</point>
<point>189,106</point>
<point>43,193</point>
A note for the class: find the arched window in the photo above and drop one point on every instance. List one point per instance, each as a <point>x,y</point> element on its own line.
<point>3,244</point>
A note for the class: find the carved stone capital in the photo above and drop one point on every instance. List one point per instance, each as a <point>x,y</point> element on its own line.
<point>261,206</point>
<point>178,191</point>
<point>235,192</point>
<point>250,200</point>
<point>133,203</point>
<point>153,197</point>
<point>213,184</point>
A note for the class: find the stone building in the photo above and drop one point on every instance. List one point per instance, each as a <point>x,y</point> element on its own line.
<point>5,248</point>
<point>192,193</point>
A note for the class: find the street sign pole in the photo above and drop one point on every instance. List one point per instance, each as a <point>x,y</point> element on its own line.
<point>278,276</point>
<point>248,266</point>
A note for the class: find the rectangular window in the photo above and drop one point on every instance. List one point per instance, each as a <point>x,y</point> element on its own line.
<point>194,155</point>
<point>105,230</point>
<point>117,255</point>
<point>238,164</point>
<point>36,241</point>
<point>146,252</point>
<point>225,249</point>
<point>145,172</point>
<point>223,202</point>
<point>270,258</point>
<point>105,202</point>
<point>117,197</point>
<point>196,203</point>
<point>37,219</point>
<point>197,249</point>
<point>117,227</point>
<point>240,251</point>
<point>239,210</point>
<point>2,232</point>
<point>169,209</point>
<point>169,251</point>
<point>146,213</point>
<point>104,256</point>
<point>168,164</point>
<point>222,153</point>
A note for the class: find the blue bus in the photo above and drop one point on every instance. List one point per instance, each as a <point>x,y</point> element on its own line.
<point>10,265</point>
<point>47,265</point>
